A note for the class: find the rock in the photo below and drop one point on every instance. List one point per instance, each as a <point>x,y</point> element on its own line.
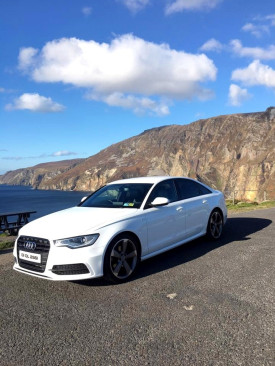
<point>230,153</point>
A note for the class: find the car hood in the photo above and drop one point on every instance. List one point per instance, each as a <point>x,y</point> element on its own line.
<point>75,221</point>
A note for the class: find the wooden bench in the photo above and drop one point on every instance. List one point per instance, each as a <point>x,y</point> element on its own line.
<point>13,221</point>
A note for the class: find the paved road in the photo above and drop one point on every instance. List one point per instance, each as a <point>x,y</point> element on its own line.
<point>219,311</point>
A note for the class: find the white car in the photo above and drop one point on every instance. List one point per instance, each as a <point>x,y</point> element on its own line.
<point>114,228</point>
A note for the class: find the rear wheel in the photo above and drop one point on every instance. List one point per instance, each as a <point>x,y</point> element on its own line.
<point>215,225</point>
<point>121,259</point>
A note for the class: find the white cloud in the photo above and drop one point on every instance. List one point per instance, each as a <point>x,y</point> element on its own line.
<point>256,30</point>
<point>237,95</point>
<point>54,154</point>
<point>260,26</point>
<point>12,158</point>
<point>63,153</point>
<point>7,91</point>
<point>271,18</point>
<point>128,65</point>
<point>135,5</point>
<point>35,103</point>
<point>254,52</point>
<point>255,74</point>
<point>138,105</point>
<point>26,57</point>
<point>212,45</point>
<point>86,10</point>
<point>181,5</point>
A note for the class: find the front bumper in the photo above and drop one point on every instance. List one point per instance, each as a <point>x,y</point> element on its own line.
<point>58,263</point>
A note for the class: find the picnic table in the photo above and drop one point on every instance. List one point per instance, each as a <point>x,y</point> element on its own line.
<point>13,221</point>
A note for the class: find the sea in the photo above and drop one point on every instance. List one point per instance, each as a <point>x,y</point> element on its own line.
<point>44,202</point>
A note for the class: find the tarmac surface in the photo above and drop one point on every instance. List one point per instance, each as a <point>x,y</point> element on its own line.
<point>203,303</point>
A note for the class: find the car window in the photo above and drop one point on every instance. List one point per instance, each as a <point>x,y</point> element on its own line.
<point>204,190</point>
<point>188,188</point>
<point>118,196</point>
<point>164,189</point>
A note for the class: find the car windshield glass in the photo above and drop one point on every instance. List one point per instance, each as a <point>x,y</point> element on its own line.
<point>118,196</point>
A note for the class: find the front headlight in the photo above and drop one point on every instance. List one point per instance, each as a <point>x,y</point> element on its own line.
<point>77,241</point>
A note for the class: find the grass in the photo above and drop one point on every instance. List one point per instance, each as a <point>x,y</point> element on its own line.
<point>248,206</point>
<point>6,241</point>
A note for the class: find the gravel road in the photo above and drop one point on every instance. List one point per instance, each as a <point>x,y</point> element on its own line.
<point>201,304</point>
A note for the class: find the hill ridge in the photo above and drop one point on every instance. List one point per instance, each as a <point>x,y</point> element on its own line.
<point>230,152</point>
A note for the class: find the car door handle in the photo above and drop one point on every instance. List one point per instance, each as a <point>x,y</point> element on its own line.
<point>204,201</point>
<point>179,208</point>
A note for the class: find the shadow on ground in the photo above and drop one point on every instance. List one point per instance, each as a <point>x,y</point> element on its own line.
<point>5,251</point>
<point>236,229</point>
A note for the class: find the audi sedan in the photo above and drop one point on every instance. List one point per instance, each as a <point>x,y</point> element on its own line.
<point>116,227</point>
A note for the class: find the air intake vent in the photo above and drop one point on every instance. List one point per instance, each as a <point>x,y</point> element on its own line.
<point>70,269</point>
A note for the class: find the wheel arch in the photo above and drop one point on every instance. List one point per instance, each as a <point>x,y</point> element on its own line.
<point>118,236</point>
<point>220,211</point>
<point>129,233</point>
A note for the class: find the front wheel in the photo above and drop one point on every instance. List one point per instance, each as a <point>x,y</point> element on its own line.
<point>121,259</point>
<point>215,225</point>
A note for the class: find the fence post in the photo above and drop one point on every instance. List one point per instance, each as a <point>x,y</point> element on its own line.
<point>233,198</point>
<point>264,195</point>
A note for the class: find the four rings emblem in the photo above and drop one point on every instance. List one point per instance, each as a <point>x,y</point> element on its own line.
<point>30,245</point>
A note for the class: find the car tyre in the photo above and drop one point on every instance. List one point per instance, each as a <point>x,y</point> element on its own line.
<point>121,259</point>
<point>215,225</point>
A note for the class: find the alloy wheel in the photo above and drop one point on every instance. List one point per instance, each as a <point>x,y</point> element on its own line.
<point>123,258</point>
<point>215,225</point>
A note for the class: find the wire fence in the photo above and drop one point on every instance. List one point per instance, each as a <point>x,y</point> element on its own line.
<point>249,195</point>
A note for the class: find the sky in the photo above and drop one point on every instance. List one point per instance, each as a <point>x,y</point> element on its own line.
<point>77,76</point>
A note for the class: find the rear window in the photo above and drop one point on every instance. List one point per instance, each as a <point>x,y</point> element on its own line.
<point>189,188</point>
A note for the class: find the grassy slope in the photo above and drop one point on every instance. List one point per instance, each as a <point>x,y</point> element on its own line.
<point>6,241</point>
<point>245,206</point>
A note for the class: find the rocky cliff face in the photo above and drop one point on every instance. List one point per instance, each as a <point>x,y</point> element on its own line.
<point>37,174</point>
<point>231,152</point>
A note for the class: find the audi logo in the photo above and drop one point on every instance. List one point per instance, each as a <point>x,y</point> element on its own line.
<point>30,245</point>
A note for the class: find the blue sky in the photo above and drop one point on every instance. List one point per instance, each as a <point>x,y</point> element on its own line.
<point>77,76</point>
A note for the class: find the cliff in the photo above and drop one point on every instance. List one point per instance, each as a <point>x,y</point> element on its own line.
<point>231,152</point>
<point>37,174</point>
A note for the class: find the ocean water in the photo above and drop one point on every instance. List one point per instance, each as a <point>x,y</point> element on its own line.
<point>21,198</point>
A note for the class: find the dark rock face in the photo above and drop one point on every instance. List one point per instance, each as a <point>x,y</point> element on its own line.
<point>231,152</point>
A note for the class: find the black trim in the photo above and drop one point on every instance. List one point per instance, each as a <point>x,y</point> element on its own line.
<point>42,248</point>
<point>70,269</point>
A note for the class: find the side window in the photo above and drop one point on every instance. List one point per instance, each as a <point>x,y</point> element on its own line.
<point>165,189</point>
<point>204,190</point>
<point>188,189</point>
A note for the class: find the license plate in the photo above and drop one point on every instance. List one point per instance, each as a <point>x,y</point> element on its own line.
<point>30,257</point>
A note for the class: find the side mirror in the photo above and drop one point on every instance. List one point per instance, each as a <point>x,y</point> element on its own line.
<point>160,201</point>
<point>83,199</point>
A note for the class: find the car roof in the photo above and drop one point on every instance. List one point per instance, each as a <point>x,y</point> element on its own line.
<point>152,180</point>
<point>155,179</point>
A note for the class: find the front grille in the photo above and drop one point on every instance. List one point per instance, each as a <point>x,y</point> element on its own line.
<point>70,269</point>
<point>42,246</point>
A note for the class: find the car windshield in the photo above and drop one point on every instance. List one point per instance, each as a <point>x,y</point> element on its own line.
<point>118,196</point>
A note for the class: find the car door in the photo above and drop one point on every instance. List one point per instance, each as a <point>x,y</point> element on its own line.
<point>164,222</point>
<point>195,203</point>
